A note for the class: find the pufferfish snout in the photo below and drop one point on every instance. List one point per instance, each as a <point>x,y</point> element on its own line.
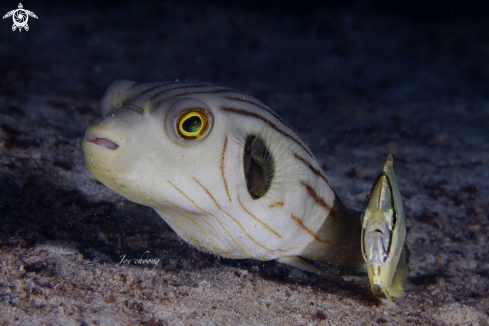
<point>101,140</point>
<point>104,148</point>
<point>224,171</point>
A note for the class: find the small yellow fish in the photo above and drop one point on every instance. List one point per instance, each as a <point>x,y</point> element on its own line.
<point>383,235</point>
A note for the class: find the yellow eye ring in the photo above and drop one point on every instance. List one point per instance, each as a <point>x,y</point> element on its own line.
<point>192,124</point>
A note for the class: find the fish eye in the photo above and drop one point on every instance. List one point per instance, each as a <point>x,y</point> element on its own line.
<point>192,124</point>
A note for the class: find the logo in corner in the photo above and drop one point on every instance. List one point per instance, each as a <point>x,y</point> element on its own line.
<point>20,17</point>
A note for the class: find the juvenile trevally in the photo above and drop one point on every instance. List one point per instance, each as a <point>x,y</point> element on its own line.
<point>226,173</point>
<point>383,235</point>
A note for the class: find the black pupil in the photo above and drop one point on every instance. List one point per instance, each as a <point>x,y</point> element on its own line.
<point>192,124</point>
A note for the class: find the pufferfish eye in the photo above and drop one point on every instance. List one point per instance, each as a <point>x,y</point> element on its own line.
<point>192,124</point>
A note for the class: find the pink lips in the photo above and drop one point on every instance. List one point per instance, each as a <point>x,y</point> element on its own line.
<point>104,142</point>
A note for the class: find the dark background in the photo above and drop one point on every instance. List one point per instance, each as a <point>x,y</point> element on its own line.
<point>410,78</point>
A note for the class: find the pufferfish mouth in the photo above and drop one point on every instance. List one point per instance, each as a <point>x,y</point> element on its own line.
<point>101,139</point>
<point>107,143</point>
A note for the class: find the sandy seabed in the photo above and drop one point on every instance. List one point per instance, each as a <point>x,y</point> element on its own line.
<point>415,88</point>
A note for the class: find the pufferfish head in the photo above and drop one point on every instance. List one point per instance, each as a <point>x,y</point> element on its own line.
<point>142,142</point>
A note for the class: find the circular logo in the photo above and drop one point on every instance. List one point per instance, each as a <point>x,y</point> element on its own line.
<point>20,18</point>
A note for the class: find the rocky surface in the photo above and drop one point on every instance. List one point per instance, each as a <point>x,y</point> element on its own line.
<point>388,83</point>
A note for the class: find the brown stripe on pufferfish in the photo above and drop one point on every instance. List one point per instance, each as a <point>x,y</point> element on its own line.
<point>234,219</point>
<point>316,197</point>
<point>276,204</point>
<point>134,86</point>
<point>308,230</point>
<point>312,168</point>
<point>147,90</point>
<point>269,123</point>
<point>259,105</point>
<point>266,226</point>
<point>221,166</point>
<point>211,215</point>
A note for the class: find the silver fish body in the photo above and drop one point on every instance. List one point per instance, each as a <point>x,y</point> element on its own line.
<point>383,235</point>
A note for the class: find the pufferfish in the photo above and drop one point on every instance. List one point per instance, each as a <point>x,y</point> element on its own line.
<point>224,171</point>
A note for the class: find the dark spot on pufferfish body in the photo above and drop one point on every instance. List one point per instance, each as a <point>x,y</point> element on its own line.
<point>258,166</point>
